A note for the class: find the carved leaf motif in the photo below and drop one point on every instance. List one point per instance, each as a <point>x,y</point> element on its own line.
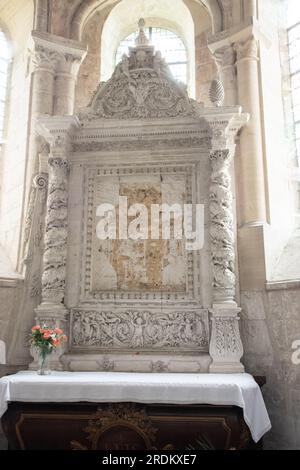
<point>140,329</point>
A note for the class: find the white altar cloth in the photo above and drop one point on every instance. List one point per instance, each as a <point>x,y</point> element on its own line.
<point>210,389</point>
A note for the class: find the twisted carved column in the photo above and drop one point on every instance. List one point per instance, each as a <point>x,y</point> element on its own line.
<point>54,274</point>
<point>221,228</point>
<point>225,347</point>
<point>52,311</point>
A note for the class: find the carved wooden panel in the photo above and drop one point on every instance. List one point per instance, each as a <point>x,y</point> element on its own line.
<point>125,427</point>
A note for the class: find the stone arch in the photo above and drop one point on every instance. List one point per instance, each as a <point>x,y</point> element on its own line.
<point>85,9</point>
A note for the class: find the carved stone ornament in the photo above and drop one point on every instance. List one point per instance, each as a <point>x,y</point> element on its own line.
<point>53,280</point>
<point>221,228</point>
<point>118,307</point>
<point>55,52</point>
<point>225,347</point>
<point>141,86</point>
<point>140,330</point>
<point>34,222</point>
<point>247,49</point>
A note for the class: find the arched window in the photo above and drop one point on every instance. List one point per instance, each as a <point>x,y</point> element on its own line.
<point>168,43</point>
<point>4,63</point>
<point>294,56</point>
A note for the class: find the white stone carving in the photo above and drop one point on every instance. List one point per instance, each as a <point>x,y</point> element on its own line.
<point>140,330</point>
<point>54,273</point>
<point>216,93</point>
<point>34,223</point>
<point>221,228</point>
<point>141,86</point>
<point>55,51</point>
<point>225,346</point>
<point>136,326</point>
<point>104,146</point>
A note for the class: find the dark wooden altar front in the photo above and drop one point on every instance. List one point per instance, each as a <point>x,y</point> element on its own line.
<point>125,426</point>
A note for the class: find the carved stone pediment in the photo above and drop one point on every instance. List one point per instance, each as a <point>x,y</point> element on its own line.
<point>141,86</point>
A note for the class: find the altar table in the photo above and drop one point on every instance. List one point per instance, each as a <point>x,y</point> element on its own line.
<point>147,404</point>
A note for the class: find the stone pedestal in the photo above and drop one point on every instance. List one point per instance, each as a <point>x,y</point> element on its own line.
<point>225,347</point>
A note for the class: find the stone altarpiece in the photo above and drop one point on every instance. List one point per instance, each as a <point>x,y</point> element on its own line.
<point>146,305</point>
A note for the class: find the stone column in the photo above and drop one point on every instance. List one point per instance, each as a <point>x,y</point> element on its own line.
<point>41,15</point>
<point>226,62</point>
<point>44,64</point>
<point>251,162</point>
<point>48,54</point>
<point>65,81</point>
<point>225,346</point>
<point>221,228</point>
<point>250,9</point>
<point>52,310</point>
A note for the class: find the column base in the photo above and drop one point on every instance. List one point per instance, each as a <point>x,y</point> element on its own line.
<point>53,316</point>
<point>225,346</point>
<point>226,368</point>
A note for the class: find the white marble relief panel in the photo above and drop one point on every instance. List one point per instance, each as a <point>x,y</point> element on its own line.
<point>140,330</point>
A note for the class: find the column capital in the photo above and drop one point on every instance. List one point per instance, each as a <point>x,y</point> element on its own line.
<point>58,131</point>
<point>225,56</point>
<point>224,124</point>
<point>55,51</point>
<point>247,49</point>
<point>251,28</point>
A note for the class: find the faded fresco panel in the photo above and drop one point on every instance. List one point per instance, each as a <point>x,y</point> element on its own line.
<point>141,265</point>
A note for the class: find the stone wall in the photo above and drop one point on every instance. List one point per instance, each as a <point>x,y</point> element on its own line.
<point>89,74</point>
<point>270,324</point>
<point>13,155</point>
<point>206,68</point>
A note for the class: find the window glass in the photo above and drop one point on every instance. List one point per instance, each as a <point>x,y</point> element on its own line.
<point>165,41</point>
<point>4,61</point>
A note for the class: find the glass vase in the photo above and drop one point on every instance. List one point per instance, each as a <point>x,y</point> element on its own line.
<point>44,364</point>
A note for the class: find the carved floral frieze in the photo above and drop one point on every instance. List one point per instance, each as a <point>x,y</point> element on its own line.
<point>138,329</point>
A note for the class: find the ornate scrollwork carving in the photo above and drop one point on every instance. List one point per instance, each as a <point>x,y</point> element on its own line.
<point>54,273</point>
<point>124,415</point>
<point>102,146</point>
<point>141,86</point>
<point>34,223</point>
<point>225,344</point>
<point>221,229</point>
<point>140,330</point>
